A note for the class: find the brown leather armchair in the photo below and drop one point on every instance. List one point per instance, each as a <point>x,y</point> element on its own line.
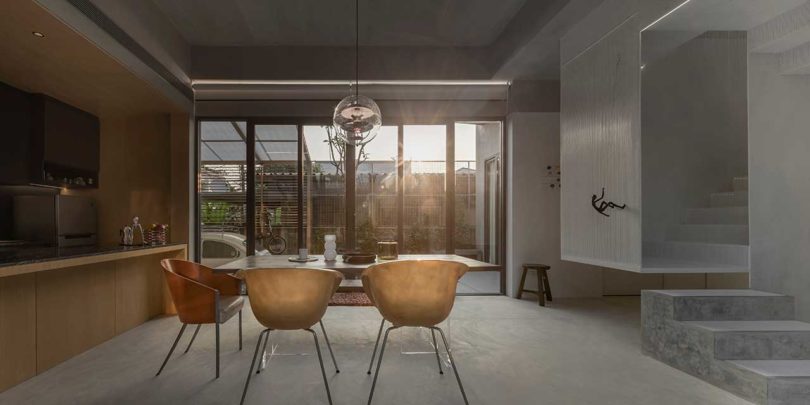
<point>201,297</point>
<point>289,299</point>
<point>414,293</point>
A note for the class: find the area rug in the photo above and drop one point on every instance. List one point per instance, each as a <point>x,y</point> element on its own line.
<point>350,299</point>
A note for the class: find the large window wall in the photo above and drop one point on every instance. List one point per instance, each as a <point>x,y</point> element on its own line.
<point>274,186</point>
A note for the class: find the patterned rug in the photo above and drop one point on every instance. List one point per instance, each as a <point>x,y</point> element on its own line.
<point>350,299</point>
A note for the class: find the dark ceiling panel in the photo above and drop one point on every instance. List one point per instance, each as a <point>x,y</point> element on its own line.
<point>331,22</point>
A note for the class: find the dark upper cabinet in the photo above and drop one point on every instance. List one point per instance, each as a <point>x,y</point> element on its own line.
<point>15,135</point>
<point>49,142</point>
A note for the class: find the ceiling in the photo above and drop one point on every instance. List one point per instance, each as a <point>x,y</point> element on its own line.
<point>332,22</point>
<point>723,15</point>
<point>66,66</point>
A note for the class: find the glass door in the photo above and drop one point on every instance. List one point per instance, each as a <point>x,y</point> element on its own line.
<point>222,191</point>
<point>277,197</point>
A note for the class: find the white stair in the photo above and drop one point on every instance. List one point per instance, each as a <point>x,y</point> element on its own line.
<point>718,215</point>
<point>786,35</point>
<point>709,253</point>
<point>728,199</point>
<point>711,239</point>
<point>710,233</point>
<point>739,184</point>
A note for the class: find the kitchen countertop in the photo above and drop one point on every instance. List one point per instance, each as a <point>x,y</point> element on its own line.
<point>26,259</point>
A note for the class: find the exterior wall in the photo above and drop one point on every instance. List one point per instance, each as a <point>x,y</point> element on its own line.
<point>779,115</point>
<point>533,220</point>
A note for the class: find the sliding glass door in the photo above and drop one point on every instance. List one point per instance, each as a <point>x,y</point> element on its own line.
<point>274,186</point>
<point>479,197</point>
<point>424,179</point>
<point>277,210</point>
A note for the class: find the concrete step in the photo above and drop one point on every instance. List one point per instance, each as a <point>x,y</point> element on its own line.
<point>710,233</point>
<point>758,340</point>
<point>702,332</point>
<point>739,184</point>
<point>720,305</point>
<point>717,215</point>
<point>708,253</point>
<point>787,381</point>
<point>729,199</point>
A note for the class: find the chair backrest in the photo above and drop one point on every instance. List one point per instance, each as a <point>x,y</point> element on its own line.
<point>194,301</point>
<point>290,298</point>
<point>224,283</point>
<point>414,292</point>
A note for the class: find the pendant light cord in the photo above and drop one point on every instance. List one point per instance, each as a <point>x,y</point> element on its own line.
<point>356,48</point>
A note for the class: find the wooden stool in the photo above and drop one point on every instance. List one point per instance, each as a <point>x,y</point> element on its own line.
<point>543,288</point>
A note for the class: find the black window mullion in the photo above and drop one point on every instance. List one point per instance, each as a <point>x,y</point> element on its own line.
<point>351,196</point>
<point>250,193</point>
<point>300,181</point>
<point>400,186</point>
<point>450,189</point>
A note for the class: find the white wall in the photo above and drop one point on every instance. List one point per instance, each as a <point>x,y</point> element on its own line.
<point>779,181</point>
<point>533,214</point>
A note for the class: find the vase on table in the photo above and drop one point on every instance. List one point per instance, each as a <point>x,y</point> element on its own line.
<point>329,248</point>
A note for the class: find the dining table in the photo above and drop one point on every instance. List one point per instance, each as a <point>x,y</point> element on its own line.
<point>351,271</point>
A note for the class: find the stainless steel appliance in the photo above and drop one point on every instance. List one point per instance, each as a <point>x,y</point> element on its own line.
<point>57,220</point>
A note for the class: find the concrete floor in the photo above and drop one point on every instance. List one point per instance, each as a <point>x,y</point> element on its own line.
<point>508,352</point>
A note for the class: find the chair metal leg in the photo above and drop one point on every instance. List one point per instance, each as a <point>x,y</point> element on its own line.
<point>174,345</point>
<point>453,363</point>
<point>436,346</point>
<point>374,353</point>
<point>320,360</point>
<point>253,363</point>
<point>240,329</point>
<point>194,336</point>
<point>217,343</point>
<point>259,367</point>
<point>329,346</point>
<point>379,362</point>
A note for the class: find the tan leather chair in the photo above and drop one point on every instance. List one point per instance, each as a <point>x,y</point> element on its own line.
<point>414,293</point>
<point>289,299</point>
<point>201,297</point>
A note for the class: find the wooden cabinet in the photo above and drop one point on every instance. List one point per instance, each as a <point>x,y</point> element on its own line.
<point>52,311</point>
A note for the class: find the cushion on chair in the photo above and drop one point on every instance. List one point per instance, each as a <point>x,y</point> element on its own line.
<point>229,306</point>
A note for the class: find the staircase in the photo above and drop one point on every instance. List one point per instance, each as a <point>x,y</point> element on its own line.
<point>746,342</point>
<point>786,36</point>
<point>711,239</point>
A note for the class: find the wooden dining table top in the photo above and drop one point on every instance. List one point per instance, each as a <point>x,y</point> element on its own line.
<point>348,269</point>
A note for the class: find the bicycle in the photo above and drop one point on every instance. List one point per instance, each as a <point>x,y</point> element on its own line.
<point>275,244</point>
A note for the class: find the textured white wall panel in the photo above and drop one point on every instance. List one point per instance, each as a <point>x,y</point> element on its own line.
<point>601,147</point>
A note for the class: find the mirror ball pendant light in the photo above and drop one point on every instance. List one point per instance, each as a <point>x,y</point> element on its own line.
<point>357,118</point>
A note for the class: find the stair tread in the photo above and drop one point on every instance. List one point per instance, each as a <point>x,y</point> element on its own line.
<point>657,264</point>
<point>700,244</point>
<point>718,293</point>
<point>776,368</point>
<point>752,326</point>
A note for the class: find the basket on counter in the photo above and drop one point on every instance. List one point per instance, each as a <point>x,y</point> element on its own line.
<point>158,234</point>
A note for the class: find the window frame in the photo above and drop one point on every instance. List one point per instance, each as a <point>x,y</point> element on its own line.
<point>350,189</point>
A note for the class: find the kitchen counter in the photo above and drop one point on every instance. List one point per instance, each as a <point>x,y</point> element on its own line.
<point>62,302</point>
<point>22,260</point>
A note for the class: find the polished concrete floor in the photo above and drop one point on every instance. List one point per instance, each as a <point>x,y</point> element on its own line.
<point>507,351</point>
